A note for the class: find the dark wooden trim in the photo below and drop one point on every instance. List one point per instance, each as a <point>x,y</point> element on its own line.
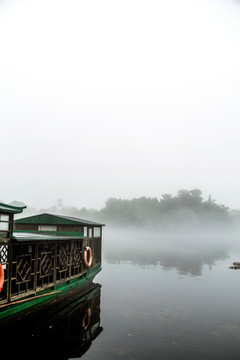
<point>35,266</point>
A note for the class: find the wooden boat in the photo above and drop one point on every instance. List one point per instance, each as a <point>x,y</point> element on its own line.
<point>44,257</point>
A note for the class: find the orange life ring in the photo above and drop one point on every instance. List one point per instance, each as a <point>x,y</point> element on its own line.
<point>1,277</point>
<point>87,262</point>
<point>88,316</point>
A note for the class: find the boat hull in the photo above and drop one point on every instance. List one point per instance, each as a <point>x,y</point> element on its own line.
<point>47,297</point>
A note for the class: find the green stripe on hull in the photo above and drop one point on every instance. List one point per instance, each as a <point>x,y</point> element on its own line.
<point>48,296</point>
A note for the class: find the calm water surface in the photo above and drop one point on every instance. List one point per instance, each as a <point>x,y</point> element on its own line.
<point>169,297</point>
<point>162,296</point>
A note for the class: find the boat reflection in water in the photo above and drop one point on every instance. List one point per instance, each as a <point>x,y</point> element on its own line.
<point>57,332</point>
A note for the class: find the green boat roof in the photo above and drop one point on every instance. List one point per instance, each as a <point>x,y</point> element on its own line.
<point>8,208</point>
<point>31,236</point>
<point>51,219</point>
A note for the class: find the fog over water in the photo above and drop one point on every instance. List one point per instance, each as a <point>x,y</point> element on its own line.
<point>149,247</point>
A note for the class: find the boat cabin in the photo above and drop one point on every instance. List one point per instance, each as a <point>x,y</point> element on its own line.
<point>58,224</point>
<point>42,252</point>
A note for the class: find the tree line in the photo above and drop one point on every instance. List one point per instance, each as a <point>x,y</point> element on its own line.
<point>187,207</point>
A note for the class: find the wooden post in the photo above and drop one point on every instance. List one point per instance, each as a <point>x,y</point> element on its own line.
<point>35,267</point>
<point>55,263</point>
<point>9,272</point>
<point>71,247</point>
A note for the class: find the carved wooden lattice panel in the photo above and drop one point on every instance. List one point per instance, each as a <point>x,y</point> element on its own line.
<point>3,254</point>
<point>23,269</point>
<point>46,264</point>
<point>76,257</point>
<point>63,259</point>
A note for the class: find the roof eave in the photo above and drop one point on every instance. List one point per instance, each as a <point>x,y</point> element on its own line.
<point>11,208</point>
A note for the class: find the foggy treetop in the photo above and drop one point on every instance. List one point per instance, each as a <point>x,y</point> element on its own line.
<point>187,207</point>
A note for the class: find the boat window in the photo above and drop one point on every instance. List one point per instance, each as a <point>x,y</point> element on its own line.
<point>96,232</point>
<point>4,217</point>
<point>90,232</point>
<point>47,228</point>
<point>4,226</point>
<point>85,231</point>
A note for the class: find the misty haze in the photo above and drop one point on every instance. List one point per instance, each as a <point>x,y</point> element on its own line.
<point>125,113</point>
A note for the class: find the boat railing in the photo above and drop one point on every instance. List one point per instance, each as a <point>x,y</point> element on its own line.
<point>33,267</point>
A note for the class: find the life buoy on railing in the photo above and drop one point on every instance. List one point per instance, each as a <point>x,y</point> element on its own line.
<point>87,316</point>
<point>1,277</point>
<point>87,256</point>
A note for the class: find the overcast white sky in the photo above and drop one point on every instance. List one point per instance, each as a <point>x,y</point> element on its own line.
<point>119,99</point>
